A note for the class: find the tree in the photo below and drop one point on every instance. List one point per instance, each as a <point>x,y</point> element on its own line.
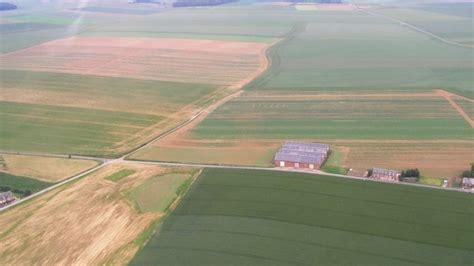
<point>466,173</point>
<point>370,172</point>
<point>411,173</point>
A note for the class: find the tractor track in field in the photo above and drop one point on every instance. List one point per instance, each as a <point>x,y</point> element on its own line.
<point>449,97</point>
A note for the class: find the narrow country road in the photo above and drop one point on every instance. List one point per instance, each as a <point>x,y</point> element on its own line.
<point>106,162</point>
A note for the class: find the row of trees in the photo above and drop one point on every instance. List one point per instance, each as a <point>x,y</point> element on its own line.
<point>23,193</point>
<point>7,6</point>
<point>411,173</point>
<point>469,173</point>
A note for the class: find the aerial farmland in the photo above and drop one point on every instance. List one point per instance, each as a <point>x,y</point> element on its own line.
<point>147,132</point>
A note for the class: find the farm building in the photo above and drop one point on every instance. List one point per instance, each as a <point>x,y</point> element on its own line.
<point>468,183</point>
<point>385,174</point>
<point>6,198</point>
<point>301,155</point>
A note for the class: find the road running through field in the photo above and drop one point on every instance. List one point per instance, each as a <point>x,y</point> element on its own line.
<point>108,161</point>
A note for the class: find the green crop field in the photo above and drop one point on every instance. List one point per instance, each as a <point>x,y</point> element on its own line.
<point>110,111</point>
<point>174,35</point>
<point>120,10</point>
<point>36,27</point>
<point>364,52</point>
<point>248,217</point>
<point>46,128</point>
<point>19,185</point>
<point>16,40</point>
<point>116,177</point>
<point>452,21</point>
<point>158,192</point>
<point>407,117</point>
<point>244,22</point>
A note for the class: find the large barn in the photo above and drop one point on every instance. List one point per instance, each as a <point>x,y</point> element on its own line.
<point>301,155</point>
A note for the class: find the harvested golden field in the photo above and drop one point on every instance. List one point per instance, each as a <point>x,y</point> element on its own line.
<point>91,221</point>
<point>181,60</point>
<point>48,169</point>
<point>242,152</point>
<point>433,158</point>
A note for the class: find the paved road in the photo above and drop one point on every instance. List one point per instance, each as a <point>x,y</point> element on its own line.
<point>277,169</point>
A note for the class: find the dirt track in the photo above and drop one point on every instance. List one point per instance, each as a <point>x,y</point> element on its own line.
<point>449,97</point>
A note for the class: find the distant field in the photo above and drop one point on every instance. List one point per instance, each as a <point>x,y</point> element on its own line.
<point>13,40</point>
<point>174,35</point>
<point>45,168</point>
<point>242,21</point>
<point>452,21</point>
<point>121,10</point>
<point>268,218</point>
<point>221,62</point>
<point>50,19</point>
<point>36,27</point>
<point>93,218</point>
<point>360,51</point>
<point>66,113</point>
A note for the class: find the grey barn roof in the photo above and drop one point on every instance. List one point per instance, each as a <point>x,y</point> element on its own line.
<point>294,157</point>
<point>297,145</point>
<point>301,152</point>
<point>318,153</point>
<point>468,181</point>
<point>384,171</point>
